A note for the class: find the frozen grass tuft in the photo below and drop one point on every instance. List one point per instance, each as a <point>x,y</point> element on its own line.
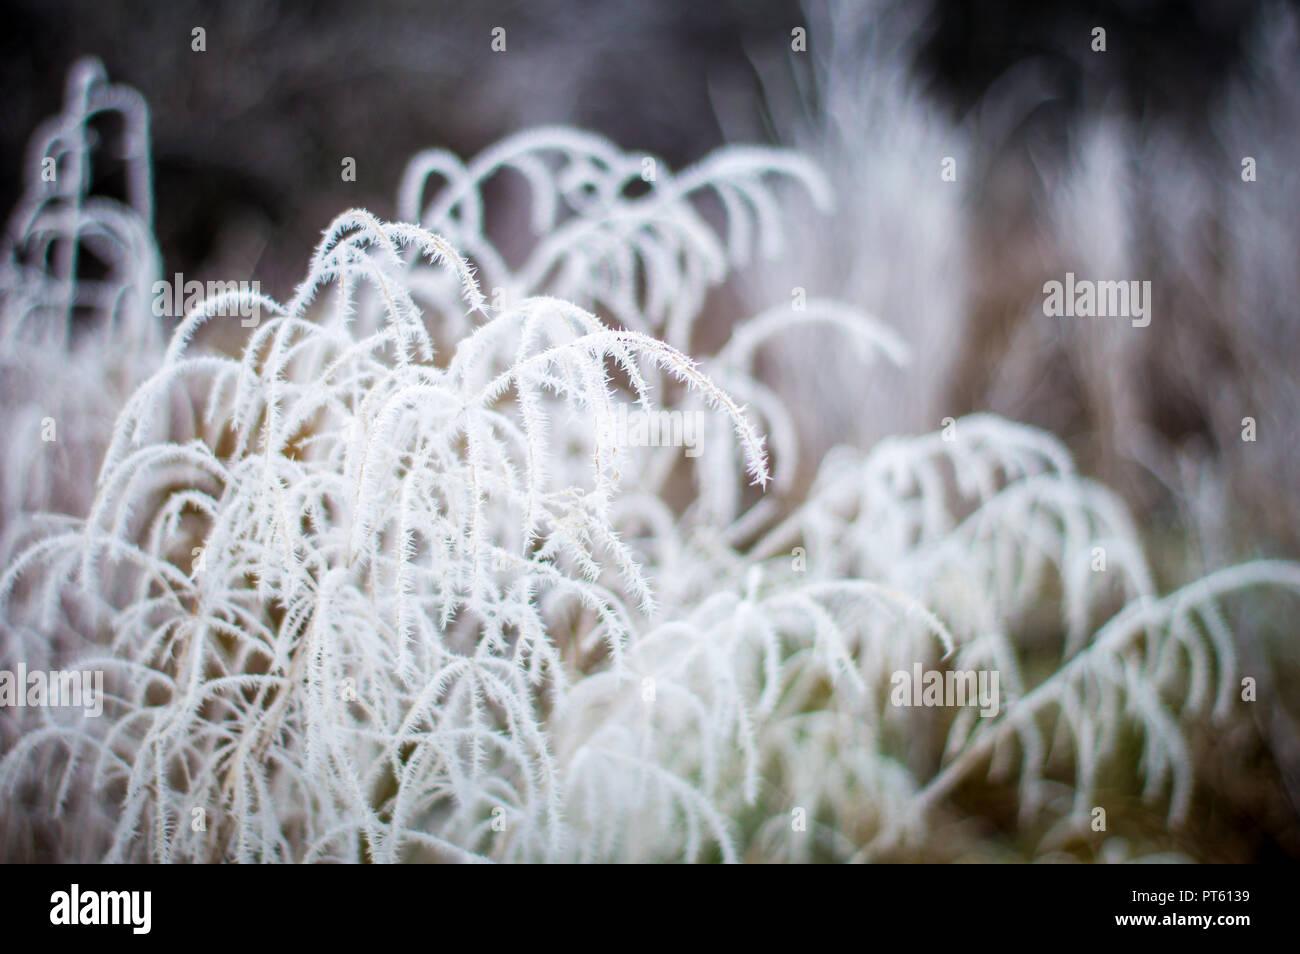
<point>391,584</point>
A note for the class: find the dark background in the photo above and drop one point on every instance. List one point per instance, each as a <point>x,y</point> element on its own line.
<point>248,136</point>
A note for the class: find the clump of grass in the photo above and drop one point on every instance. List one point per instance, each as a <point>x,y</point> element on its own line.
<point>388,585</point>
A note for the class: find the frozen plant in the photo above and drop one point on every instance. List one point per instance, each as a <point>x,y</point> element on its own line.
<point>382,587</point>
<point>72,346</point>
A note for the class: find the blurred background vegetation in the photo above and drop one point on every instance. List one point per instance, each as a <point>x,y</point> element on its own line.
<point>248,136</point>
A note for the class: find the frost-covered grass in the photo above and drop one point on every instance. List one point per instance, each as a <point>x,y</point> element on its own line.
<point>386,586</point>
